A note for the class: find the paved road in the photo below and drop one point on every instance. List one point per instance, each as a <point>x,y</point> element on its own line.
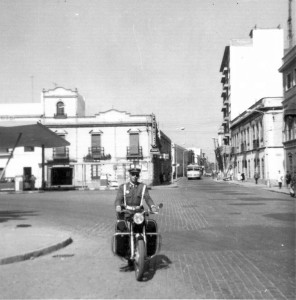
<point>220,241</point>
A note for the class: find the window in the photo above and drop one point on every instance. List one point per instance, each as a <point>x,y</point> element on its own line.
<point>60,108</point>
<point>248,136</point>
<point>29,149</point>
<point>289,81</point>
<point>95,172</point>
<point>134,143</point>
<point>61,151</point>
<point>3,150</point>
<point>95,140</point>
<point>261,130</point>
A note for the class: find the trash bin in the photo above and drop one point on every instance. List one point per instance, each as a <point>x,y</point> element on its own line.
<point>18,183</point>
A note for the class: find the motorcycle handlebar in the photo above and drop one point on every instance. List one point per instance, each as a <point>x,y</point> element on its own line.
<point>147,212</point>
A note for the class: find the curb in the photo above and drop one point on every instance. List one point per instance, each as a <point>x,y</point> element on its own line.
<point>258,186</point>
<point>36,253</point>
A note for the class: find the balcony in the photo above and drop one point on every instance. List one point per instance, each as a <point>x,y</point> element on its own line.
<point>60,116</point>
<point>225,70</point>
<point>134,153</point>
<point>96,154</point>
<point>256,144</point>
<point>224,107</point>
<point>226,86</point>
<point>60,153</point>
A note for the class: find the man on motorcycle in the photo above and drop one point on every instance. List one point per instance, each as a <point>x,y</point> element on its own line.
<point>132,194</point>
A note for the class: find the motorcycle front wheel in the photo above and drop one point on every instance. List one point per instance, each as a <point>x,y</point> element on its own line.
<point>140,260</point>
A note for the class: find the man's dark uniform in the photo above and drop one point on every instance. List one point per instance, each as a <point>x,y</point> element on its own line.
<point>134,195</point>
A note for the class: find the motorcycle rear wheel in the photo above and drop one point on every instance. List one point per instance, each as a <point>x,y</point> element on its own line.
<point>140,260</point>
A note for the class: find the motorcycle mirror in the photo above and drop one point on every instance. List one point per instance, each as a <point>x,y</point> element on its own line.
<point>160,205</point>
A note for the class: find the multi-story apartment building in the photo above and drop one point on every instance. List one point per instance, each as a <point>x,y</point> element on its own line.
<point>257,140</point>
<point>249,72</point>
<point>289,104</point>
<point>102,146</point>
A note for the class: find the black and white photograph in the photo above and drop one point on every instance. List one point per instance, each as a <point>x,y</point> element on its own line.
<point>147,149</point>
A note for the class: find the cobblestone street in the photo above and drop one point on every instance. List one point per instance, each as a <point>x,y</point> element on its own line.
<point>220,241</point>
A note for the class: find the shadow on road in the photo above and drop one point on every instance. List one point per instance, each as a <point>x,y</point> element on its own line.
<point>8,215</point>
<point>158,262</point>
<point>290,217</point>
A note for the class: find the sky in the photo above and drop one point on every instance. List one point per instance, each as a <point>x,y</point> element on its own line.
<point>138,56</point>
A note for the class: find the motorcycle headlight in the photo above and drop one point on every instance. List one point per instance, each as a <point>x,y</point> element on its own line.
<point>138,218</point>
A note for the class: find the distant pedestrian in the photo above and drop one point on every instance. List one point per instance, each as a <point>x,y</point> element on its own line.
<point>256,177</point>
<point>293,185</point>
<point>288,179</point>
<point>32,182</point>
<point>280,179</point>
<point>243,177</point>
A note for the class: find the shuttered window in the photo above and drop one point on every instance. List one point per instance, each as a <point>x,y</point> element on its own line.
<point>134,143</point>
<point>60,108</point>
<point>61,150</point>
<point>96,140</point>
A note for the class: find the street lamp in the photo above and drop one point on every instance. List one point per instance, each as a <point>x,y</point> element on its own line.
<point>183,129</point>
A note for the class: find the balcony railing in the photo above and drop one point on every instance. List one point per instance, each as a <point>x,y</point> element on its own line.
<point>60,153</point>
<point>134,152</point>
<point>60,116</point>
<point>96,153</point>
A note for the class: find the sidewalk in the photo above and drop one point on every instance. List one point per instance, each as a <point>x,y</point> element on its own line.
<point>23,241</point>
<point>275,189</point>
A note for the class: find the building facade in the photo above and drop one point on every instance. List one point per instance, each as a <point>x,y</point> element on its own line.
<point>256,137</point>
<point>102,146</point>
<point>249,71</point>
<point>288,70</point>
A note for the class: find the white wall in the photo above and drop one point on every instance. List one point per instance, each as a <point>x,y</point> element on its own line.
<point>254,69</point>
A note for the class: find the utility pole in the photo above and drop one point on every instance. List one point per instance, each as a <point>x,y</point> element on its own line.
<point>215,147</point>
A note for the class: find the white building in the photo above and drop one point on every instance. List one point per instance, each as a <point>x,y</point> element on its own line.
<point>252,69</point>
<point>249,72</point>
<point>102,145</point>
<point>257,141</point>
<point>289,104</point>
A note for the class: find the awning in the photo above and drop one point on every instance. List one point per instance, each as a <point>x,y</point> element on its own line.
<point>20,134</point>
<point>32,134</point>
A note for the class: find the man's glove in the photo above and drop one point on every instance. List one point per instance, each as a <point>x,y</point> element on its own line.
<point>153,208</point>
<point>118,208</point>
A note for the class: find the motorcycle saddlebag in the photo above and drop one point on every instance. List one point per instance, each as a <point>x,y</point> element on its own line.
<point>153,238</point>
<point>121,239</point>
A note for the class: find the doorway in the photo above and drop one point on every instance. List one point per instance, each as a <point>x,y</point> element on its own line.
<point>27,172</point>
<point>61,176</point>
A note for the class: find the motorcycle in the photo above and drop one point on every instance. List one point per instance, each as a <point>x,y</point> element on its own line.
<point>136,238</point>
